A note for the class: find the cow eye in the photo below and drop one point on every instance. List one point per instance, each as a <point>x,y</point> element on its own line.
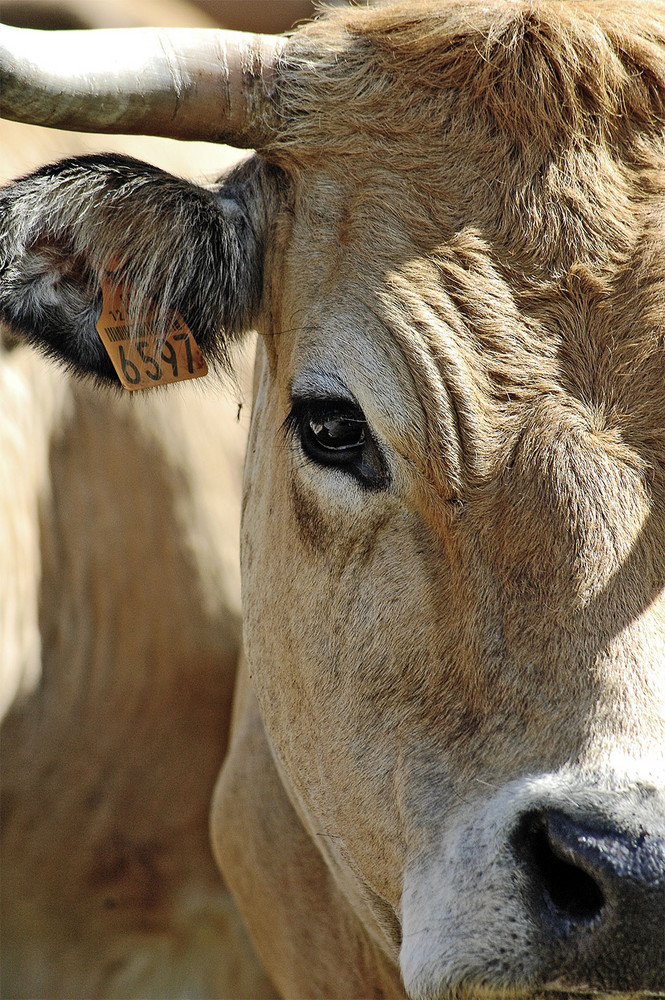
<point>335,433</point>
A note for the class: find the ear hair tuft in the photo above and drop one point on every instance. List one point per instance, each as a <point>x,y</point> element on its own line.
<point>182,248</point>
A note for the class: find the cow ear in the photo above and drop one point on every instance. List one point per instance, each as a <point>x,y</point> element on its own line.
<point>180,248</point>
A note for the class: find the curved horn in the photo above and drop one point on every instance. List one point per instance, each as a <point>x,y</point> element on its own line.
<point>183,83</point>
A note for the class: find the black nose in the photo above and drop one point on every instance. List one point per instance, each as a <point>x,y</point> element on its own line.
<point>598,893</point>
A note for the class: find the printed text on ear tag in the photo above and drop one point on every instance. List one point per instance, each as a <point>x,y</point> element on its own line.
<point>142,363</point>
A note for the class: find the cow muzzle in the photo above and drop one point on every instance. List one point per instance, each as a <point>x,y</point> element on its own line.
<point>600,890</point>
<point>554,884</point>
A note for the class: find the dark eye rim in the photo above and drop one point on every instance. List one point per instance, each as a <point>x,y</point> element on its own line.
<point>362,459</point>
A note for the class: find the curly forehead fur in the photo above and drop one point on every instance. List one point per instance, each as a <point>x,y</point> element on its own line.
<point>541,122</point>
<point>540,71</point>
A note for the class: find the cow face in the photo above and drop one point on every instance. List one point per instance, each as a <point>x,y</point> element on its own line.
<point>453,553</point>
<point>453,570</point>
<point>452,544</point>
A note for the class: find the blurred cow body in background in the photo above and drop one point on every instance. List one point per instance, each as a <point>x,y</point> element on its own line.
<point>240,15</point>
<point>120,624</point>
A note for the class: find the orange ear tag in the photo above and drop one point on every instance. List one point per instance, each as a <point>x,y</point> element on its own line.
<point>141,363</point>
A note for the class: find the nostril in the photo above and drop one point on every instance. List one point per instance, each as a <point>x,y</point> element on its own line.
<point>571,890</point>
<point>594,894</point>
<point>570,893</point>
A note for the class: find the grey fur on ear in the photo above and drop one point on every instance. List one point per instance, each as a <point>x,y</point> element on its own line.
<point>186,248</point>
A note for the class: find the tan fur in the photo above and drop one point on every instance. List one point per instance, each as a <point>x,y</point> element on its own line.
<point>473,244</point>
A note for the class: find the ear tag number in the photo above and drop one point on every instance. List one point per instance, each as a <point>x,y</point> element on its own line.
<point>141,363</point>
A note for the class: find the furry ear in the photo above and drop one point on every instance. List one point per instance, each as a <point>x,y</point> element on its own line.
<point>181,247</point>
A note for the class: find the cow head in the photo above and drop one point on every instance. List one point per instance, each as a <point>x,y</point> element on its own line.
<point>449,756</point>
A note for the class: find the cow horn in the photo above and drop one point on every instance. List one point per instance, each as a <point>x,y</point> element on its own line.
<point>183,83</point>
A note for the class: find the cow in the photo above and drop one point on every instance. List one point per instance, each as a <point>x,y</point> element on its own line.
<point>446,770</point>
